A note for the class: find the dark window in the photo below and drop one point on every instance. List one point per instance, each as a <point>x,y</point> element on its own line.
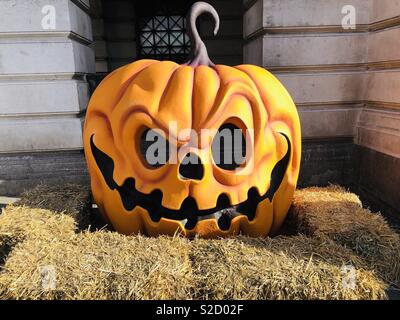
<point>164,37</point>
<point>161,29</point>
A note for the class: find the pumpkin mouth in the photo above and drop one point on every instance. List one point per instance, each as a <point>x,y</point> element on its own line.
<point>189,214</point>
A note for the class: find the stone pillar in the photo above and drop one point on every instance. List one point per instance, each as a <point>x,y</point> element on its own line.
<point>44,94</point>
<point>322,65</point>
<point>378,127</point>
<point>303,43</point>
<point>345,83</point>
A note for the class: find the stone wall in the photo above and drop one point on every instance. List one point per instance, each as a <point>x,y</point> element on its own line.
<point>302,42</point>
<point>43,89</point>
<point>377,133</point>
<point>344,81</point>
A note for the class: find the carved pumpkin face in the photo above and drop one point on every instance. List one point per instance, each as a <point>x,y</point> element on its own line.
<point>206,198</point>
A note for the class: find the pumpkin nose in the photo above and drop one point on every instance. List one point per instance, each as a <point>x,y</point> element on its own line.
<point>191,167</point>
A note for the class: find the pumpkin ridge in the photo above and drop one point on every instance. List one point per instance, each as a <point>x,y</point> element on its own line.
<point>167,85</point>
<point>200,117</point>
<point>128,83</point>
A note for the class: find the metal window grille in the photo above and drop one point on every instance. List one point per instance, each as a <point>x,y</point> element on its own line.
<point>164,38</point>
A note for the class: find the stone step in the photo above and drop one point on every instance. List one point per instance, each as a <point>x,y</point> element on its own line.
<point>4,201</point>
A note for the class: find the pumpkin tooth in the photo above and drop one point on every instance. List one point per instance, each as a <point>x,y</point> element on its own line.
<point>249,207</point>
<point>224,223</point>
<point>226,216</point>
<point>191,223</point>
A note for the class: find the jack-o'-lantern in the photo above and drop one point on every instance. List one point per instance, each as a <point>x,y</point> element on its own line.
<point>205,197</point>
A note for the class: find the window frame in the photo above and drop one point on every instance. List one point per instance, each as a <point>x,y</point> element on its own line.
<point>148,10</point>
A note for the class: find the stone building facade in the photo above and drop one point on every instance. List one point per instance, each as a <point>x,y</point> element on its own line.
<point>345,81</point>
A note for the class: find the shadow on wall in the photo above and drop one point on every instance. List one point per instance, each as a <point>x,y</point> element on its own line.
<point>327,161</point>
<point>378,181</point>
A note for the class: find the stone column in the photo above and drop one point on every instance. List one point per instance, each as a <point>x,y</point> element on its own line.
<point>44,59</point>
<point>322,65</point>
<point>378,127</point>
<point>345,83</point>
<point>303,43</point>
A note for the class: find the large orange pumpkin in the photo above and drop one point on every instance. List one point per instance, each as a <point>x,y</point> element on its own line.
<point>203,198</point>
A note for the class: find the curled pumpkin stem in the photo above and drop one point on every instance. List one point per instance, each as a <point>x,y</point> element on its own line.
<point>198,54</point>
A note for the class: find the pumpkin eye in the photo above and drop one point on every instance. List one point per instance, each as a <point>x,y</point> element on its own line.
<point>154,148</point>
<point>229,147</point>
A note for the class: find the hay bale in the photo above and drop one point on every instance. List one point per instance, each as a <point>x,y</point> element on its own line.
<point>6,245</point>
<point>337,214</point>
<point>107,265</point>
<point>20,222</point>
<point>99,265</point>
<point>70,199</point>
<point>281,268</point>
